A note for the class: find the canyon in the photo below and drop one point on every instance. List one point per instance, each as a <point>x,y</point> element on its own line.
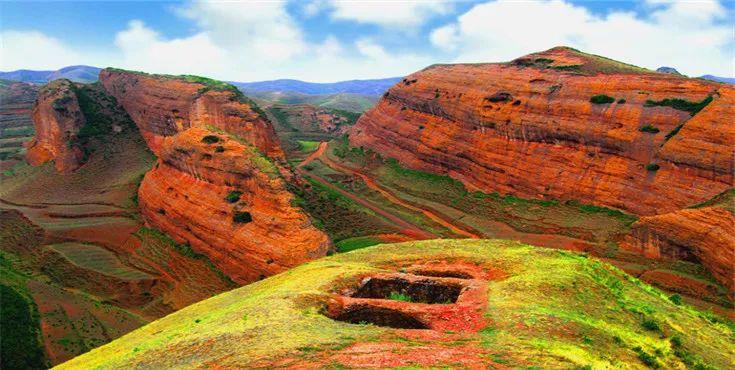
<point>145,194</point>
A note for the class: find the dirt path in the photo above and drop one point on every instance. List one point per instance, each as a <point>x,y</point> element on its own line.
<point>394,199</point>
<point>319,153</point>
<point>316,154</point>
<point>407,228</point>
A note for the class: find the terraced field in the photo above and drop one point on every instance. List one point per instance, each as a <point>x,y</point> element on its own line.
<point>98,259</point>
<point>16,127</point>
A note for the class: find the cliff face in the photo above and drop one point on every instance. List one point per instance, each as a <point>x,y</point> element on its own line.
<point>229,202</point>
<point>529,128</point>
<point>162,106</point>
<point>58,119</point>
<point>702,234</point>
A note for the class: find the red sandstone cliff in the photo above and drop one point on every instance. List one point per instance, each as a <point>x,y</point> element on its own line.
<point>250,234</point>
<point>58,119</point>
<point>528,128</point>
<point>702,235</point>
<point>162,106</point>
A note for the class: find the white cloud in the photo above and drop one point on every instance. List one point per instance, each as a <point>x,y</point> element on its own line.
<point>686,35</point>
<point>404,14</point>
<point>255,41</point>
<point>144,49</point>
<point>34,50</point>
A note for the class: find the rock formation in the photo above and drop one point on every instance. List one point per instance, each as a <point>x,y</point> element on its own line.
<point>162,106</point>
<point>702,235</point>
<point>561,124</point>
<point>58,118</point>
<point>229,202</point>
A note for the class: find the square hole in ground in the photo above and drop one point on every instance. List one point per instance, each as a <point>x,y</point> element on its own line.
<point>419,291</point>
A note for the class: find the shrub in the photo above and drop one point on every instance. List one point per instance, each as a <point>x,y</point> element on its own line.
<point>652,167</point>
<point>602,99</point>
<point>676,299</point>
<point>233,196</point>
<point>219,149</point>
<point>210,139</point>
<point>651,324</point>
<point>681,104</point>
<point>621,101</point>
<point>676,340</point>
<point>674,132</point>
<point>647,358</point>
<point>649,128</point>
<point>242,217</point>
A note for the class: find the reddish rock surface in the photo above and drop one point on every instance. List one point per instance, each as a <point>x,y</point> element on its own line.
<point>702,234</point>
<point>58,119</point>
<point>528,128</point>
<point>185,196</point>
<point>162,106</point>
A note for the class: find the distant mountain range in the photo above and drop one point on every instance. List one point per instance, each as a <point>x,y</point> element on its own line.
<point>83,74</point>
<point>727,80</point>
<point>372,88</point>
<point>364,87</point>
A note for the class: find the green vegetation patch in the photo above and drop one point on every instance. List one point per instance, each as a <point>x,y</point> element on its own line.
<point>681,104</point>
<point>233,196</point>
<point>210,139</point>
<point>20,328</point>
<point>242,217</point>
<point>307,146</point>
<point>359,242</point>
<point>602,99</point>
<point>649,128</point>
<point>652,167</point>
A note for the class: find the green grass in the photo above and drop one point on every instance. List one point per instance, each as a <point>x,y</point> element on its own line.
<point>359,242</point>
<point>602,99</point>
<point>396,296</point>
<point>307,146</point>
<point>546,292</point>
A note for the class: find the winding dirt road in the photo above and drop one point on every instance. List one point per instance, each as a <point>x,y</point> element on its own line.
<point>319,153</point>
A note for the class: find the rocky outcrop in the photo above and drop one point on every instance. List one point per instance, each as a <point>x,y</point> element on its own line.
<point>561,124</point>
<point>57,118</point>
<point>228,201</point>
<point>162,106</point>
<point>699,235</point>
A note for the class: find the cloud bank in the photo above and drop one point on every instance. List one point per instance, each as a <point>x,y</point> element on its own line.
<point>268,40</point>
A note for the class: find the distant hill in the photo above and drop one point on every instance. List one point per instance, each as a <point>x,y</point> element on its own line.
<point>727,80</point>
<point>75,73</point>
<point>363,87</point>
<point>344,101</point>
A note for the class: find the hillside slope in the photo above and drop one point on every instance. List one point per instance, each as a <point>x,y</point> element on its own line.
<point>432,303</point>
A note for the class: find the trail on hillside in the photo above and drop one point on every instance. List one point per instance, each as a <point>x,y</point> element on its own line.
<point>319,153</point>
<point>407,228</point>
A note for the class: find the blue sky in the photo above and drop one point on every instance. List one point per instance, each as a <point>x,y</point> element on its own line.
<point>326,40</point>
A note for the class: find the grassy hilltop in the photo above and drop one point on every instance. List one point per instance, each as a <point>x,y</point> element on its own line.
<point>537,308</point>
